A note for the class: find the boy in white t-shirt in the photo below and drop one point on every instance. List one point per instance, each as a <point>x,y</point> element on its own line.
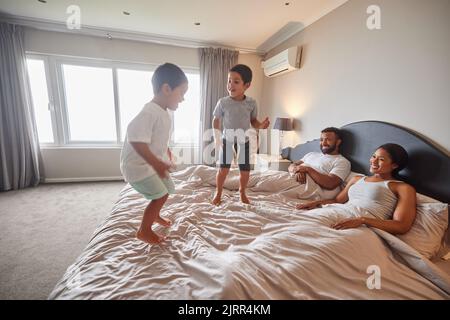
<point>146,159</point>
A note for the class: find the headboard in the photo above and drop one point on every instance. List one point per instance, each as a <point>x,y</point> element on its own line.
<point>428,168</point>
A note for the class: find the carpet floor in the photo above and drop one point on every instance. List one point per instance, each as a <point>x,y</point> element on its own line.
<point>44,229</point>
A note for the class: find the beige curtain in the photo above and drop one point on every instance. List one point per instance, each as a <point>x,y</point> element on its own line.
<point>214,66</point>
<point>19,146</point>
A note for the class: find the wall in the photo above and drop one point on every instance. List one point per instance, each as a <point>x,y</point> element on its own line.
<point>398,74</point>
<point>254,62</point>
<point>83,164</point>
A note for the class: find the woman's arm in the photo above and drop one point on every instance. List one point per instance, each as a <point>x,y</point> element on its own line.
<point>402,219</point>
<point>342,197</point>
<point>314,204</point>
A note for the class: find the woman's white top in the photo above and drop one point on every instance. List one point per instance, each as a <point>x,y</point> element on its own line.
<point>374,198</point>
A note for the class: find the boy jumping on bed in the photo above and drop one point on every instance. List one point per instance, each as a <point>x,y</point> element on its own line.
<point>238,113</point>
<point>145,156</point>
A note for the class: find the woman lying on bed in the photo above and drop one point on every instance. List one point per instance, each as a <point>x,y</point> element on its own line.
<point>390,204</point>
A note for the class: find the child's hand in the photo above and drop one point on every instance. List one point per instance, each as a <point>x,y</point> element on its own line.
<point>265,124</point>
<point>172,162</point>
<point>218,145</point>
<point>161,168</point>
<point>173,166</point>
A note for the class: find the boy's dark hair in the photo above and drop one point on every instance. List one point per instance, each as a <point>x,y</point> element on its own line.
<point>244,71</point>
<point>336,131</point>
<point>170,74</point>
<point>398,155</point>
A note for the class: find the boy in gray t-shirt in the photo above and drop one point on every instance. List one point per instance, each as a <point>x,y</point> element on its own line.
<point>238,114</point>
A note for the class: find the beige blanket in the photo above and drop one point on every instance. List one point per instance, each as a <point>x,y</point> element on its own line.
<point>267,250</point>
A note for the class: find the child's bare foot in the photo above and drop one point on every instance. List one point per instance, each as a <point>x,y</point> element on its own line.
<point>163,222</point>
<point>244,198</point>
<point>149,237</point>
<point>217,199</point>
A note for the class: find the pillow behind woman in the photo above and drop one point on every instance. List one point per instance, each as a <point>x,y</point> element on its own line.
<point>427,233</point>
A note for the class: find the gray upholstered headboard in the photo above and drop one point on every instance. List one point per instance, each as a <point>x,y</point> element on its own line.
<point>428,169</point>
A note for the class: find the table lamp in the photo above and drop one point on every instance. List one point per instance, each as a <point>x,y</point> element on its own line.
<point>282,124</point>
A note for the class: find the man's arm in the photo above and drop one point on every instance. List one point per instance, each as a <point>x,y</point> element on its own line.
<point>326,181</point>
<point>342,197</point>
<point>293,167</point>
<point>293,170</point>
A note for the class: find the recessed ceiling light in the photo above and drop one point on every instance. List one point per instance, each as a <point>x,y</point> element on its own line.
<point>43,1</point>
<point>126,13</point>
<point>197,23</point>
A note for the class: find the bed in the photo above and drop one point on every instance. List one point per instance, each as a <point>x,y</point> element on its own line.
<point>269,250</point>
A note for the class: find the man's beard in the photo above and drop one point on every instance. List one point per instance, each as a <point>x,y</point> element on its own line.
<point>328,150</point>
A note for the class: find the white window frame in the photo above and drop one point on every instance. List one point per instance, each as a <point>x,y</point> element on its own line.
<point>54,73</point>
<point>50,94</point>
<point>60,61</point>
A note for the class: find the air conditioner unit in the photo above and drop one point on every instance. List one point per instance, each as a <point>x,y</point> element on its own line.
<point>285,61</point>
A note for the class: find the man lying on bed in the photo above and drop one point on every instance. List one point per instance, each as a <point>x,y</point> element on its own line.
<point>328,169</point>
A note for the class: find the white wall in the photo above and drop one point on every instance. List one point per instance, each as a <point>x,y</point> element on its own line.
<point>73,164</point>
<point>254,62</point>
<point>256,91</point>
<point>102,48</point>
<point>399,74</point>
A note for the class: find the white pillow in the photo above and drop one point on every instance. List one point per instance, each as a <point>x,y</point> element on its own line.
<point>430,225</point>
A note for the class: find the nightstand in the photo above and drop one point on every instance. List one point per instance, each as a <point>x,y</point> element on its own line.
<point>264,162</point>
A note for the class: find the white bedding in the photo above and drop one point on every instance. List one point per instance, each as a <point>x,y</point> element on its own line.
<point>266,250</point>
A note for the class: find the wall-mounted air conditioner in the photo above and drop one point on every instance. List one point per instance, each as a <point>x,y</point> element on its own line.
<point>285,61</point>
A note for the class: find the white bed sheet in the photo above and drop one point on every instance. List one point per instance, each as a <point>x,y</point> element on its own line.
<point>267,250</point>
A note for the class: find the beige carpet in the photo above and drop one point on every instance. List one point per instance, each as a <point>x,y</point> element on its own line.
<point>44,229</point>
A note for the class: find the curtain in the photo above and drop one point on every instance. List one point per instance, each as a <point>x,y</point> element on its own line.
<point>214,66</point>
<point>19,145</point>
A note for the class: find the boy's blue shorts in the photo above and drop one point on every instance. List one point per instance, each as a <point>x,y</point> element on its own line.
<point>154,187</point>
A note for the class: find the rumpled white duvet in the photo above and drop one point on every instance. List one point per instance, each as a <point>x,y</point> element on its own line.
<point>266,250</point>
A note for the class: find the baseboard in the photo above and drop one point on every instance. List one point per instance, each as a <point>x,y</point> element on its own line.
<point>84,179</point>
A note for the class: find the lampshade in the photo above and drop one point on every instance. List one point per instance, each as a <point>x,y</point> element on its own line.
<point>283,124</point>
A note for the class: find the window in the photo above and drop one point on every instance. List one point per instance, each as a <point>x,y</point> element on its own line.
<point>90,103</point>
<point>186,124</point>
<point>93,101</point>
<point>41,103</point>
<point>135,90</point>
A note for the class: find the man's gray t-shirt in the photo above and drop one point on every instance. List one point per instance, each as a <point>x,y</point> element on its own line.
<point>236,114</point>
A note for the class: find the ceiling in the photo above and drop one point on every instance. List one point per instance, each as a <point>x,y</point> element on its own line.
<point>254,25</point>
